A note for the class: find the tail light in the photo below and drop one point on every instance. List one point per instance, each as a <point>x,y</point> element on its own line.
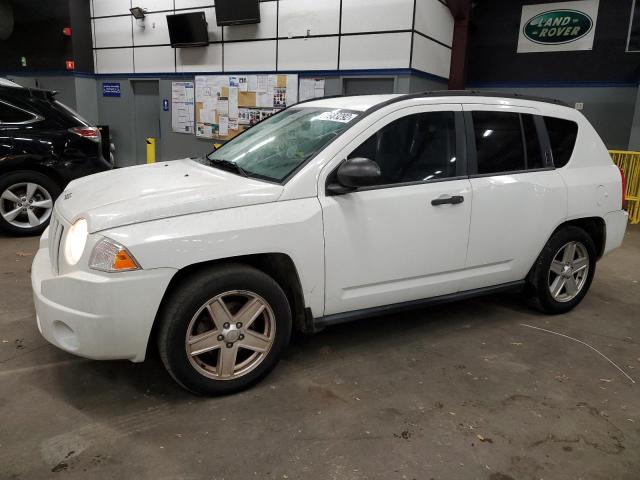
<point>624,186</point>
<point>91,133</point>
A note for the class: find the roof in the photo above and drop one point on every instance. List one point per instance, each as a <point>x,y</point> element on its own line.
<point>366,102</point>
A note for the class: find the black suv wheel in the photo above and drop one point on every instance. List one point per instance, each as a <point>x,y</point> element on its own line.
<point>26,202</point>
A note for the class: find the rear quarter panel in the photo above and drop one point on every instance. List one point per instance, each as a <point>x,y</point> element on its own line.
<point>594,186</point>
<point>293,228</point>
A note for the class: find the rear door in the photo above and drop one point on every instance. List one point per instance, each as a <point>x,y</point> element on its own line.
<point>518,197</point>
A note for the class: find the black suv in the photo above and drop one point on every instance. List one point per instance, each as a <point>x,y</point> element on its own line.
<point>43,146</point>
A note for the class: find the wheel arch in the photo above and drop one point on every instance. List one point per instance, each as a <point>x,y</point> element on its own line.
<point>32,165</point>
<point>278,266</point>
<point>595,227</point>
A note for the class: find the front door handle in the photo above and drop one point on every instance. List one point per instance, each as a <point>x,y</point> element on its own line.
<point>452,199</point>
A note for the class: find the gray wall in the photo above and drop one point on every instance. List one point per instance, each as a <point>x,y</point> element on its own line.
<point>609,109</point>
<point>634,137</point>
<point>118,113</point>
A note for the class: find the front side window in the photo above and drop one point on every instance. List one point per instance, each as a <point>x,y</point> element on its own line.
<point>415,148</point>
<point>274,148</point>
<point>11,114</point>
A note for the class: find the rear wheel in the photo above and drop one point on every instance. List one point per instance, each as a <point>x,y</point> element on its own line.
<point>224,329</point>
<point>563,272</point>
<point>26,202</point>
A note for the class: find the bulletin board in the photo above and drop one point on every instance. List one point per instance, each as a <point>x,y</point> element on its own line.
<point>227,105</point>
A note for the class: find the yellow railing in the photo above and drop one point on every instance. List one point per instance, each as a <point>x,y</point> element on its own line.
<point>629,163</point>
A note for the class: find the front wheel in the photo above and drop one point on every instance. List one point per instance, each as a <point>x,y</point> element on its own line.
<point>563,272</point>
<point>223,329</point>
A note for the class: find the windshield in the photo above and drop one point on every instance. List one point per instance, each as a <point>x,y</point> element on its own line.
<point>277,146</point>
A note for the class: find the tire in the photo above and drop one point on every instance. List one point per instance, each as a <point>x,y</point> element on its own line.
<point>553,291</point>
<point>206,311</point>
<point>14,186</point>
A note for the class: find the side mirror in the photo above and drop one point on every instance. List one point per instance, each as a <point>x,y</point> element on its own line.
<point>354,173</point>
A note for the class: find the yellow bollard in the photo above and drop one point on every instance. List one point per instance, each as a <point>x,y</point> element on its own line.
<point>151,150</point>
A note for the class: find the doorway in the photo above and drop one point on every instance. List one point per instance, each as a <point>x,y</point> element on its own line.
<point>146,104</point>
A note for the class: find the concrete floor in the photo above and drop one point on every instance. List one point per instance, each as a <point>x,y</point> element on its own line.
<point>460,391</point>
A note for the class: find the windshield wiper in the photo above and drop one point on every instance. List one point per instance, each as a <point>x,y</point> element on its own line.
<point>228,165</point>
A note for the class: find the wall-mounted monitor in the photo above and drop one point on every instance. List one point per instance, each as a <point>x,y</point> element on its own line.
<point>188,30</point>
<point>237,12</point>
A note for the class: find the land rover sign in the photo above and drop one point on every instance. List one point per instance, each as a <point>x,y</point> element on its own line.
<point>553,27</point>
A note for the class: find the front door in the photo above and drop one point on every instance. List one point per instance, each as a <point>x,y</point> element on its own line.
<point>392,243</point>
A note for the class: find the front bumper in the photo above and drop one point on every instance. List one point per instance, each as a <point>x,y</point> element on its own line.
<point>95,315</point>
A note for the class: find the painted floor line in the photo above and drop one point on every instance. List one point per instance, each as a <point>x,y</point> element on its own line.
<point>585,344</point>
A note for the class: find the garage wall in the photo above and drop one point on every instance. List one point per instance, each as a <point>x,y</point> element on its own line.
<point>349,43</point>
<point>293,35</point>
<point>604,79</point>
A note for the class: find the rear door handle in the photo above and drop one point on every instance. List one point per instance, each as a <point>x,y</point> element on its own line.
<point>445,199</point>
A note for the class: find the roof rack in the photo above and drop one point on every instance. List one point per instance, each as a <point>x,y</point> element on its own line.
<point>481,93</point>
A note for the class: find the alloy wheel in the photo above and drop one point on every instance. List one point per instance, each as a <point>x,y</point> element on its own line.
<point>26,205</point>
<point>230,335</point>
<point>568,272</point>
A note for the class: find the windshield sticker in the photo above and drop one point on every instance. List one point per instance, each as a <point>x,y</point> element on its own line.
<point>337,116</point>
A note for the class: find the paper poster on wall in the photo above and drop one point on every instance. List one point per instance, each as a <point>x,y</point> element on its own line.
<point>556,27</point>
<point>227,105</point>
<point>311,88</point>
<point>182,104</point>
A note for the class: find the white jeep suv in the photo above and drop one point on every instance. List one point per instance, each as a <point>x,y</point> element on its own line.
<point>332,210</point>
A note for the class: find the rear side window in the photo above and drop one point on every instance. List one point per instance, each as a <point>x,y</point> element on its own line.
<point>10,114</point>
<point>499,142</point>
<point>562,135</point>
<point>506,142</point>
<point>533,158</point>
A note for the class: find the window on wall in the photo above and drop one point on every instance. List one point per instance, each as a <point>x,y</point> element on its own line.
<point>415,148</point>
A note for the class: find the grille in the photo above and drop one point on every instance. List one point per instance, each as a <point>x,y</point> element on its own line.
<point>56,229</point>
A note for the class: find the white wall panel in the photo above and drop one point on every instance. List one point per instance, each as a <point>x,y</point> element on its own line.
<point>431,57</point>
<point>376,15</point>
<point>113,32</point>
<point>250,56</point>
<point>153,5</point>
<point>435,20</point>
<point>298,16</point>
<point>155,31</point>
<point>111,7</point>
<point>116,60</point>
<point>193,3</point>
<point>389,50</point>
<point>199,59</point>
<point>265,29</point>
<point>308,54</point>
<point>154,60</point>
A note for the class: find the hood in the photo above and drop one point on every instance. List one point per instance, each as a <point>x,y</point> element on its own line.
<point>149,192</point>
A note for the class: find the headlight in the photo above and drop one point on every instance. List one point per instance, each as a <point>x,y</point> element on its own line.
<point>75,241</point>
<point>110,256</point>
